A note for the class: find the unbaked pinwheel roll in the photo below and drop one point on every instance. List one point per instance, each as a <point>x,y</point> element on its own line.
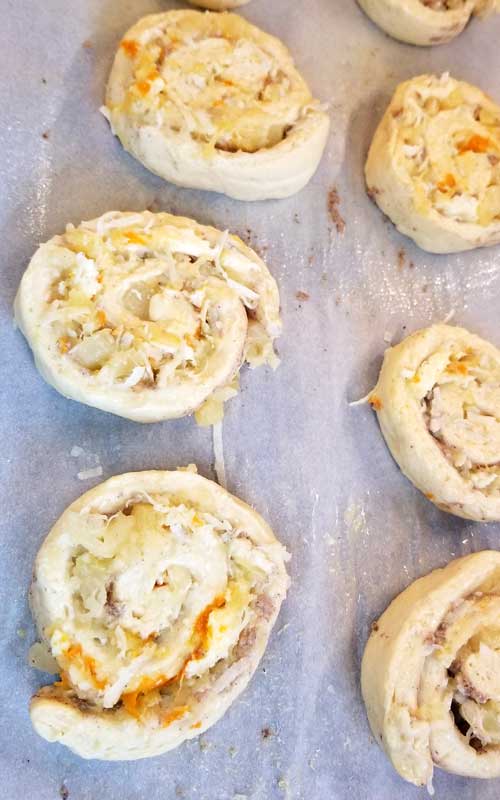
<point>156,593</point>
<point>438,404</point>
<point>425,22</point>
<point>430,674</point>
<point>209,101</point>
<point>434,164</point>
<point>148,316</point>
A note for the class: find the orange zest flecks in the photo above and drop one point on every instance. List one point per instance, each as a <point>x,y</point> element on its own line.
<point>64,344</point>
<point>196,725</point>
<point>429,496</point>
<point>202,627</point>
<point>130,699</point>
<point>134,238</point>
<point>448,182</point>
<point>174,714</point>
<point>416,378</point>
<point>476,144</point>
<point>101,318</point>
<point>63,682</point>
<point>457,368</point>
<point>143,87</point>
<point>130,47</point>
<point>75,653</point>
<point>375,402</point>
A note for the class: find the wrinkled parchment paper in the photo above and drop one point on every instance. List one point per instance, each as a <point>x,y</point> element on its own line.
<point>318,470</point>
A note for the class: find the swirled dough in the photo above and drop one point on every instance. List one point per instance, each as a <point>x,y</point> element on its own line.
<point>218,5</point>
<point>146,315</point>
<point>434,164</point>
<point>156,593</point>
<point>430,674</point>
<point>209,101</point>
<point>438,404</point>
<point>426,22</point>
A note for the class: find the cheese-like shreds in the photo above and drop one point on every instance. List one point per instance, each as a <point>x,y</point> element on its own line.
<point>437,400</point>
<point>430,674</point>
<point>209,101</point>
<point>426,22</point>
<point>434,164</point>
<point>156,593</point>
<point>147,315</point>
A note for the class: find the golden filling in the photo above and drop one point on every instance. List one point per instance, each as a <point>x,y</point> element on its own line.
<point>450,148</point>
<point>210,76</point>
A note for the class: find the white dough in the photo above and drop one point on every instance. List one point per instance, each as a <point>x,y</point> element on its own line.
<point>209,101</point>
<point>156,593</point>
<point>434,164</point>
<point>146,315</point>
<point>438,644</point>
<point>438,404</point>
<point>425,22</point>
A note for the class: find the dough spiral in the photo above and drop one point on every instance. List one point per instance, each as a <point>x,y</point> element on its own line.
<point>147,315</point>
<point>156,592</point>
<point>434,164</point>
<point>430,674</point>
<point>425,22</point>
<point>209,101</point>
<point>438,404</point>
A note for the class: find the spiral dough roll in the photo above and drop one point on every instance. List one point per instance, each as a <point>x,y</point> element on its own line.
<point>434,164</point>
<point>431,673</point>
<point>426,22</point>
<point>147,315</point>
<point>209,101</point>
<point>156,593</point>
<point>438,404</point>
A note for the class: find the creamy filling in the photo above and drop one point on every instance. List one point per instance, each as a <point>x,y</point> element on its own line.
<point>462,412</point>
<point>450,149</point>
<point>159,594</point>
<point>207,77</point>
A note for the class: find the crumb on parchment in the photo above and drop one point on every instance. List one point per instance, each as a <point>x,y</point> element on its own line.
<point>300,295</point>
<point>333,210</point>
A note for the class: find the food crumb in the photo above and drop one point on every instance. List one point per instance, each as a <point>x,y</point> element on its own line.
<point>63,792</point>
<point>87,44</point>
<point>232,751</point>
<point>283,784</point>
<point>296,218</point>
<point>204,744</point>
<point>76,451</point>
<point>300,295</point>
<point>86,474</point>
<point>333,209</point>
<point>45,135</point>
<point>374,627</point>
<point>266,733</point>
<point>401,258</point>
<point>21,632</point>
<point>388,337</point>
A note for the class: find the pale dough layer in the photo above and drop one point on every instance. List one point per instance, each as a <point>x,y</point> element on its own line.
<point>425,23</point>
<point>438,644</point>
<point>434,164</point>
<point>438,404</point>
<point>209,101</point>
<point>156,593</point>
<point>148,316</point>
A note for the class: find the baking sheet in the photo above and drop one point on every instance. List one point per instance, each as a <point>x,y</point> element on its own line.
<point>318,470</point>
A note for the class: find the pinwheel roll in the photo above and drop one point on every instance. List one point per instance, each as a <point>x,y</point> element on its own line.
<point>209,101</point>
<point>434,164</point>
<point>148,316</point>
<point>431,673</point>
<point>425,22</point>
<point>438,404</point>
<point>156,593</point>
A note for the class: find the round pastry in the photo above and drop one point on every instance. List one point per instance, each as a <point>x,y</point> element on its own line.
<point>156,592</point>
<point>430,674</point>
<point>425,22</point>
<point>146,315</point>
<point>209,101</point>
<point>434,164</point>
<point>438,404</point>
<point>218,5</point>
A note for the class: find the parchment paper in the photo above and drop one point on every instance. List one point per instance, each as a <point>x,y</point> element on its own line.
<point>318,470</point>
